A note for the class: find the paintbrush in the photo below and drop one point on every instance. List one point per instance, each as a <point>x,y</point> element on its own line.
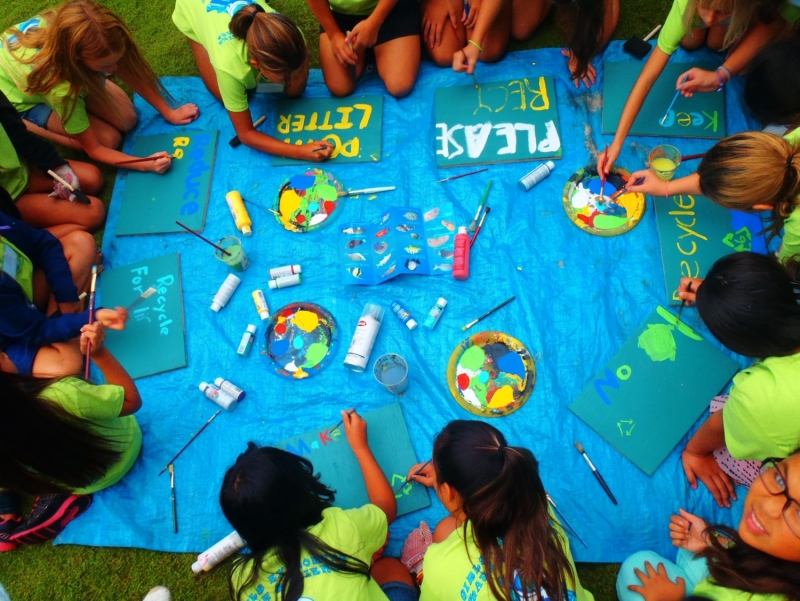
<point>411,479</point>
<point>480,225</point>
<point>674,98</point>
<point>75,192</point>
<point>603,173</point>
<point>367,191</point>
<point>563,518</point>
<point>597,475</point>
<point>92,297</point>
<point>191,440</point>
<point>143,159</point>
<point>624,189</point>
<point>235,142</point>
<point>691,157</point>
<point>172,495</point>
<point>639,47</point>
<point>683,302</point>
<point>447,179</point>
<point>336,427</point>
<point>141,298</point>
<point>191,231</point>
<point>487,314</point>
<point>474,223</point>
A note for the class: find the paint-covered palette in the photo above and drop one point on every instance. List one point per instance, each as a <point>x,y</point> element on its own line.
<point>593,212</point>
<point>491,374</point>
<point>300,339</point>
<point>307,200</point>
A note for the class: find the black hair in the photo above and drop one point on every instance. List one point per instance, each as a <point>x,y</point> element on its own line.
<point>7,204</point>
<point>772,86</point>
<point>583,21</point>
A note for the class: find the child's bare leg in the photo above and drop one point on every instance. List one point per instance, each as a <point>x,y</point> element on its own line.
<point>90,176</point>
<point>340,79</point>
<point>122,116</point>
<point>398,64</point>
<point>451,39</point>
<point>526,16</point>
<point>389,569</point>
<point>108,135</point>
<point>58,360</point>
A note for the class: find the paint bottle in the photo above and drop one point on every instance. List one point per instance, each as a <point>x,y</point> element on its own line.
<point>286,281</point>
<point>223,399</point>
<point>281,272</point>
<point>230,388</point>
<point>261,304</point>
<point>239,212</point>
<point>403,315</point>
<point>225,292</point>
<point>218,553</point>
<point>247,341</point>
<point>364,338</point>
<point>461,257</point>
<point>535,176</point>
<point>435,313</point>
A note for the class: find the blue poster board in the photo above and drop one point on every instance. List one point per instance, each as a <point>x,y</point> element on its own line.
<point>152,202</point>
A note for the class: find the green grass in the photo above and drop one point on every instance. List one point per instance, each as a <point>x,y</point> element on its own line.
<point>71,573</point>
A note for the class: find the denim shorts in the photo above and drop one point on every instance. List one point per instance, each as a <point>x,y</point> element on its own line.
<point>399,591</point>
<point>38,115</point>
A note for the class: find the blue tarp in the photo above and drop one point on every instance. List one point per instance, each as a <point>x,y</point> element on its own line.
<point>578,299</point>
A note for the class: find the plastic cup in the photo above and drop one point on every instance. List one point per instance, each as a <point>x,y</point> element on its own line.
<point>391,370</point>
<point>664,160</point>
<point>237,260</point>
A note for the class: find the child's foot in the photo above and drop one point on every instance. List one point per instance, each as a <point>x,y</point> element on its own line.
<point>158,593</point>
<point>49,516</point>
<point>7,528</point>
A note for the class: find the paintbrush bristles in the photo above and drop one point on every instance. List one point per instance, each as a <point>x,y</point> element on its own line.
<point>579,446</point>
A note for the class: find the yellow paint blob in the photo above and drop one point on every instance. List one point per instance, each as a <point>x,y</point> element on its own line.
<point>306,320</point>
<point>631,203</point>
<point>299,374</point>
<point>290,202</point>
<point>504,396</point>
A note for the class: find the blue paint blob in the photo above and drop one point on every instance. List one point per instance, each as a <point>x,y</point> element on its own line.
<point>302,182</point>
<point>298,342</point>
<point>512,363</point>
<point>484,376</point>
<point>279,347</point>
<point>313,206</point>
<point>594,186</point>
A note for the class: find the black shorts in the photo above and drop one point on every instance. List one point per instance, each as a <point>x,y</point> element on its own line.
<point>402,21</point>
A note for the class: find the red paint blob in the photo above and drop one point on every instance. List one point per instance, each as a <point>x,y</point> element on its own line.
<point>329,206</point>
<point>463,381</point>
<point>490,394</point>
<point>287,313</point>
<point>301,218</point>
<point>280,328</point>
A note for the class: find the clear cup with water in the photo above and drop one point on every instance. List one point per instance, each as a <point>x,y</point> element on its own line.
<point>391,370</point>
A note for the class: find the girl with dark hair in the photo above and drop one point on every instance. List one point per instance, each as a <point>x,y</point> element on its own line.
<point>499,518</point>
<point>771,91</point>
<point>236,42</point>
<point>300,546</point>
<point>749,302</point>
<point>760,561</point>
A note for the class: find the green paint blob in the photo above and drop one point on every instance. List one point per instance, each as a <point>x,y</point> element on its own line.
<point>609,222</point>
<point>316,353</point>
<point>473,358</point>
<point>326,192</point>
<point>479,388</point>
<point>658,342</point>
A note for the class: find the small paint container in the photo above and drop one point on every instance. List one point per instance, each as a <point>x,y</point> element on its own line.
<point>403,315</point>
<point>281,272</point>
<point>664,161</point>
<point>535,176</point>
<point>261,304</point>
<point>237,259</point>
<point>435,313</point>
<point>285,282</point>
<point>213,393</point>
<point>391,370</point>
<point>230,388</point>
<point>225,292</point>
<point>247,341</point>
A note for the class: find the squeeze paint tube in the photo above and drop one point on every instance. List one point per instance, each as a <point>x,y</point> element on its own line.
<point>225,292</point>
<point>364,338</point>
<point>230,388</point>
<point>435,313</point>
<point>285,282</point>
<point>247,341</point>
<point>461,257</point>
<point>281,272</point>
<point>223,399</point>
<point>218,553</point>
<point>261,304</point>
<point>403,315</point>
<point>535,176</point>
<point>239,212</point>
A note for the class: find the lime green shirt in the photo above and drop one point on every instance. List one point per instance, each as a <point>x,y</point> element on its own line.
<point>14,79</point>
<point>206,22</point>
<point>353,7</point>
<point>454,571</point>
<point>101,406</point>
<point>13,170</point>
<point>357,532</point>
<point>762,416</point>
<point>18,265</point>
<point>708,590</point>
<point>790,244</point>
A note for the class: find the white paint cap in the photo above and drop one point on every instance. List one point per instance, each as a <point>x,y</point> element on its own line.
<point>550,165</point>
<point>443,302</point>
<point>246,230</point>
<point>411,324</point>
<point>251,328</point>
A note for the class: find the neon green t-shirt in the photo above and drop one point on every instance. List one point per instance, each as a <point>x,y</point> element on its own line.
<point>206,22</point>
<point>708,590</point>
<point>101,406</point>
<point>353,7</point>
<point>357,532</point>
<point>790,244</point>
<point>13,170</point>
<point>455,571</point>
<point>14,79</point>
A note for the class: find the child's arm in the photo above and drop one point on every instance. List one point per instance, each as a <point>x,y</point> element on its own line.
<point>464,60</point>
<point>103,154</point>
<point>251,137</point>
<point>365,33</point>
<point>341,49</point>
<point>177,116</point>
<point>687,531</point>
<point>698,460</point>
<point>654,186</point>
<point>378,489</point>
<point>111,368</point>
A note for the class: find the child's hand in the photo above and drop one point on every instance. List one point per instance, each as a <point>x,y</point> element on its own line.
<point>183,114</point>
<point>161,164</point>
<point>434,20</point>
<point>612,155</point>
<point>589,78</point>
<point>656,585</point>
<point>66,173</point>
<point>355,428</point>
<point>464,60</point>
<point>699,80</point>
<point>342,50</point>
<point>706,468</point>
<point>469,19</point>
<point>687,291</point>
<point>426,477</point>
<point>310,152</point>
<point>364,35</point>
<point>687,532</point>
<point>94,333</point>
<point>112,319</point>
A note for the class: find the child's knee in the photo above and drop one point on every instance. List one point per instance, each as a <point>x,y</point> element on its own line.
<point>400,87</point>
<point>95,215</point>
<point>109,137</point>
<point>442,54</point>
<point>128,118</point>
<point>79,244</point>
<point>493,51</point>
<point>91,178</point>
<point>340,86</point>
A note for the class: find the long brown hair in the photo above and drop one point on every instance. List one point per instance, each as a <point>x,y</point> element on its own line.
<point>78,30</point>
<point>743,14</point>
<point>752,168</point>
<point>504,500</point>
<point>583,21</point>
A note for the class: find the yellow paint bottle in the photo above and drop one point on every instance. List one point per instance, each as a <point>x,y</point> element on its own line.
<point>239,212</point>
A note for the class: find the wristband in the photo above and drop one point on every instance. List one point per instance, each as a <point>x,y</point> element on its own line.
<point>721,81</point>
<point>474,43</point>
<point>728,71</point>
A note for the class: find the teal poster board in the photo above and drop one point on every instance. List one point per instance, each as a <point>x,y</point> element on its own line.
<point>152,203</point>
<point>651,392</point>
<point>701,116</point>
<point>694,232</point>
<point>353,125</point>
<point>153,340</point>
<point>498,122</point>
<point>333,458</point>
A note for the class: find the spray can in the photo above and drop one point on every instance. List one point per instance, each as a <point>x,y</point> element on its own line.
<point>247,341</point>
<point>284,282</point>
<point>218,553</point>
<point>535,176</point>
<point>225,292</point>
<point>435,313</point>
<point>224,400</point>
<point>281,272</point>
<point>230,388</point>
<point>239,212</point>
<point>403,315</point>
<point>364,337</point>
<point>261,304</point>
<point>461,258</point>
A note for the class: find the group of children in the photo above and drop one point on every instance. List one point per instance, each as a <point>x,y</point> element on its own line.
<point>500,541</point>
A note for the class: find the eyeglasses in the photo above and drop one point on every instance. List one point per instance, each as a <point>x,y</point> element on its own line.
<point>775,483</point>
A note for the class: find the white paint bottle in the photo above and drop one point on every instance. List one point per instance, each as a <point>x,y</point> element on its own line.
<point>218,553</point>
<point>535,176</point>
<point>225,292</point>
<point>224,400</point>
<point>282,272</point>
<point>230,388</point>
<point>286,281</point>
<point>364,338</point>
<point>247,341</point>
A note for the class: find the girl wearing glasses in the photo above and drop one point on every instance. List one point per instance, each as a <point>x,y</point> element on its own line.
<point>759,561</point>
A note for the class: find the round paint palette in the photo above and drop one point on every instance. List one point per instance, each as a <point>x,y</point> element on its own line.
<point>307,200</point>
<point>491,374</point>
<point>593,212</point>
<point>300,339</point>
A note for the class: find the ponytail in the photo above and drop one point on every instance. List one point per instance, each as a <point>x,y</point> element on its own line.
<point>505,502</point>
<point>243,18</point>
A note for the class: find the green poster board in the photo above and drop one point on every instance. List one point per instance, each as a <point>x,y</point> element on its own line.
<point>694,232</point>
<point>701,116</point>
<point>651,392</point>
<point>153,340</point>
<point>353,125</point>
<point>151,203</point>
<point>333,458</point>
<point>497,122</point>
